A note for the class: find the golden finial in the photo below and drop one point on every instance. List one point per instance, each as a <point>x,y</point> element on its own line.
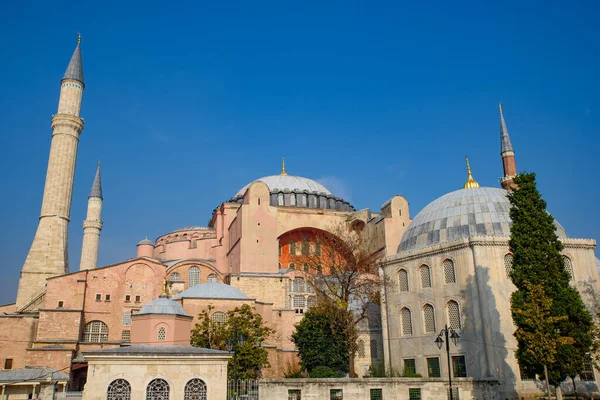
<point>78,37</point>
<point>164,292</point>
<point>500,107</point>
<point>471,183</point>
<point>283,166</point>
<point>98,163</point>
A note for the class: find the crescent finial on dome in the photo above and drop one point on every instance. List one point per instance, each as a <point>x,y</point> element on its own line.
<point>283,166</point>
<point>470,183</point>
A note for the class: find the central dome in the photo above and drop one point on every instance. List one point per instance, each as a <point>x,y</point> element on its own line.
<point>288,182</point>
<point>460,214</point>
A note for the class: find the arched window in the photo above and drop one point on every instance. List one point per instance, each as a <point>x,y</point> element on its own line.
<point>425,276</point>
<point>119,389</point>
<point>280,199</point>
<point>453,315</point>
<point>374,349</point>
<point>218,317</point>
<point>318,249</point>
<point>449,275</point>
<point>95,332</point>
<point>212,278</point>
<point>361,348</point>
<point>568,265</point>
<point>508,263</point>
<point>305,246</point>
<point>175,277</point>
<point>293,199</point>
<point>292,266</point>
<point>195,390</point>
<point>193,276</point>
<point>429,318</point>
<point>406,322</point>
<point>319,270</point>
<point>306,268</point>
<point>127,319</point>
<point>158,389</point>
<point>292,248</point>
<point>162,334</point>
<point>403,279</point>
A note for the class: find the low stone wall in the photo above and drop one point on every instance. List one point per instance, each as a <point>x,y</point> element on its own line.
<point>391,388</point>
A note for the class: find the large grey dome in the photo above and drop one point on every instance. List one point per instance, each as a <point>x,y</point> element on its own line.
<point>162,305</point>
<point>460,214</point>
<point>213,290</point>
<point>289,182</point>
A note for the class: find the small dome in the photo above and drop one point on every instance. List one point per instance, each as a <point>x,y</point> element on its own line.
<point>145,242</point>
<point>289,182</point>
<point>162,305</point>
<point>460,214</point>
<point>213,290</point>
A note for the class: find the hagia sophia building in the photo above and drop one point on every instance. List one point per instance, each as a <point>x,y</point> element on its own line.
<point>448,265</point>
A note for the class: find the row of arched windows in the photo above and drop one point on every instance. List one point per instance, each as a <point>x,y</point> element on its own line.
<point>193,277</point>
<point>374,347</point>
<point>425,276</point>
<point>306,268</point>
<point>508,265</point>
<point>157,389</point>
<point>97,331</point>
<point>428,317</point>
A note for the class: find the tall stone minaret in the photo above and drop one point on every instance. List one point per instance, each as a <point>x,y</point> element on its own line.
<point>92,226</point>
<point>48,255</point>
<point>508,155</point>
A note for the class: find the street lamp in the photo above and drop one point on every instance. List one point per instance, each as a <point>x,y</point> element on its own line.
<point>233,345</point>
<point>449,333</point>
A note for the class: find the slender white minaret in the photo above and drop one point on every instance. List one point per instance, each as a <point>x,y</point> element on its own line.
<point>92,226</point>
<point>48,255</point>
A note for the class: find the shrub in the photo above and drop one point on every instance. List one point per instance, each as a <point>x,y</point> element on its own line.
<point>323,372</point>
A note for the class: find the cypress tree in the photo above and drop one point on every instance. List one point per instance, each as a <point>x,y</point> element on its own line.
<point>537,260</point>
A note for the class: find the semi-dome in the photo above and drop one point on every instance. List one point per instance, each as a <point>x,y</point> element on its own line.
<point>162,305</point>
<point>481,211</point>
<point>213,290</point>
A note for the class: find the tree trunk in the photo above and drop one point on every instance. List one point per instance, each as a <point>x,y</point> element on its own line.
<point>351,371</point>
<point>547,382</point>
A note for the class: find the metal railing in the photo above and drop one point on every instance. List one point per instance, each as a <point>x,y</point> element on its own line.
<point>243,389</point>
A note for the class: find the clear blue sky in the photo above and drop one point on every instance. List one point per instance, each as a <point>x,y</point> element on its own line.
<point>185,103</point>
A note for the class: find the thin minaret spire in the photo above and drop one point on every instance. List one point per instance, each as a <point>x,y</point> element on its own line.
<point>92,225</point>
<point>508,154</point>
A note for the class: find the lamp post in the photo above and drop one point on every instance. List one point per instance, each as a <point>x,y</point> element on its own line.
<point>233,345</point>
<point>448,333</point>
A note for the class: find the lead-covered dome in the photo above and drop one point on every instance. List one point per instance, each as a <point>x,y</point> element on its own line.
<point>162,305</point>
<point>213,290</point>
<point>297,191</point>
<point>460,214</point>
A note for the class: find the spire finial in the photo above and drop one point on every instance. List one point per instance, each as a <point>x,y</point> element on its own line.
<point>500,107</point>
<point>471,183</point>
<point>283,166</point>
<point>78,38</point>
<point>98,163</point>
<point>164,291</point>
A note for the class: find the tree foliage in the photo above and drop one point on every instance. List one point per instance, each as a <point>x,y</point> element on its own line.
<point>251,356</point>
<point>322,338</point>
<point>345,275</point>
<point>537,261</point>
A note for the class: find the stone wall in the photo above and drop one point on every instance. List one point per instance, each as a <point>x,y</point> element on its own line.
<point>391,388</point>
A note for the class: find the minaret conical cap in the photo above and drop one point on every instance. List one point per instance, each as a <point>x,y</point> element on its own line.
<point>97,185</point>
<point>505,143</point>
<point>75,68</point>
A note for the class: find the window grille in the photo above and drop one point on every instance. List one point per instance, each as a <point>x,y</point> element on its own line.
<point>453,315</point>
<point>508,264</point>
<point>305,246</point>
<point>158,389</point>
<point>212,278</point>
<point>374,349</point>
<point>193,276</point>
<point>361,349</point>
<point>588,370</point>
<point>294,394</point>
<point>175,277</point>
<point>306,268</point>
<point>299,302</point>
<point>218,317</point>
<point>403,279</point>
<point>406,322</point>
<point>195,390</point>
<point>298,285</point>
<point>376,394</point>
<point>414,394</point>
<point>449,275</point>
<point>292,266</point>
<point>293,248</point>
<point>119,389</point>
<point>568,265</point>
<point>336,394</point>
<point>433,367</point>
<point>162,334</point>
<point>425,276</point>
<point>95,332</point>
<point>317,249</point>
<point>126,335</point>
<point>429,318</point>
<point>410,366</point>
<point>127,319</point>
<point>459,367</point>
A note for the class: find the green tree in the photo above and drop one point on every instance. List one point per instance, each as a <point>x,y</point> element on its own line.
<point>537,260</point>
<point>251,356</point>
<point>322,338</point>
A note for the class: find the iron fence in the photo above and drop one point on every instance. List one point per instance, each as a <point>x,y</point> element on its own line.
<point>243,389</point>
